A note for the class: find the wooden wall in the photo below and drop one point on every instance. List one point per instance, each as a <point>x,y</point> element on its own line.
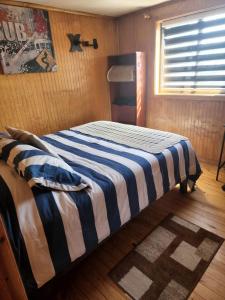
<point>77,93</point>
<point>199,117</point>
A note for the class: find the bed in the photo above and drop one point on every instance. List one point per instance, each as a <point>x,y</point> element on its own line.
<point>125,167</point>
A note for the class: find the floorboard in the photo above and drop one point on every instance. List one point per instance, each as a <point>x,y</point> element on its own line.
<point>204,207</point>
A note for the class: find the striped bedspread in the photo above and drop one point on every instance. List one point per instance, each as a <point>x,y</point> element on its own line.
<point>50,229</point>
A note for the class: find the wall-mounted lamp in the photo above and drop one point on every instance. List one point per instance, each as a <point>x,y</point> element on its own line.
<point>76,43</point>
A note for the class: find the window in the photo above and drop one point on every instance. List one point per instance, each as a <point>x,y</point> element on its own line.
<point>192,54</point>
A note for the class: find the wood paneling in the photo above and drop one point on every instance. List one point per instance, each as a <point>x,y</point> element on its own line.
<point>78,92</point>
<point>198,117</point>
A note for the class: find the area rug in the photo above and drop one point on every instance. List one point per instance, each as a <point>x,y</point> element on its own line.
<point>168,263</point>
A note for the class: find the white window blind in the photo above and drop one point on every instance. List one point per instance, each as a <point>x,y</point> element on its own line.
<point>193,54</point>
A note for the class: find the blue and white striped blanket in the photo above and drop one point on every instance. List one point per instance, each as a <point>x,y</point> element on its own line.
<point>50,229</point>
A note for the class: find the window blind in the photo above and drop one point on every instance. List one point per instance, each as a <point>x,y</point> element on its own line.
<point>193,51</point>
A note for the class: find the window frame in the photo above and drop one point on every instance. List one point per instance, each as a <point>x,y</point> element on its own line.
<point>159,57</point>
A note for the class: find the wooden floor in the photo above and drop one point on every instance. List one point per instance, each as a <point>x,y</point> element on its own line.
<point>205,207</point>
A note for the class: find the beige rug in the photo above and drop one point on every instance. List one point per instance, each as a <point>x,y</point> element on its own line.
<point>168,263</point>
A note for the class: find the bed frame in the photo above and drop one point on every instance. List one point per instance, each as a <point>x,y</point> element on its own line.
<point>11,275</point>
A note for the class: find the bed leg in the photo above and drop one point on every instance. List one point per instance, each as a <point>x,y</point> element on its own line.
<point>183,187</point>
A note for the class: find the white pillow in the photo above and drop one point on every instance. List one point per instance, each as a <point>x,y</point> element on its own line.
<point>29,138</point>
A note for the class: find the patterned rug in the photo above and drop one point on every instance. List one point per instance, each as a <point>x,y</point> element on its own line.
<point>168,263</point>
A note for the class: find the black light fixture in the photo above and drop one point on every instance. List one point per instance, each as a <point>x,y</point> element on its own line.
<point>76,43</point>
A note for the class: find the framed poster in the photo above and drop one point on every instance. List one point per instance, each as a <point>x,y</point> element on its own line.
<point>25,40</point>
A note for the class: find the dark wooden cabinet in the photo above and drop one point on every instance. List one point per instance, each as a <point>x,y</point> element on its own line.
<point>128,103</point>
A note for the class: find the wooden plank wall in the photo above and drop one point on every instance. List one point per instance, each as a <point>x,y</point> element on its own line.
<point>77,93</point>
<point>199,117</point>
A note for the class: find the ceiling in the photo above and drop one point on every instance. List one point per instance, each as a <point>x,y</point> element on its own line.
<point>112,8</point>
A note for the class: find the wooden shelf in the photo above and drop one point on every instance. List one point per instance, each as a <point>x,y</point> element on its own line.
<point>123,113</point>
<point>131,101</point>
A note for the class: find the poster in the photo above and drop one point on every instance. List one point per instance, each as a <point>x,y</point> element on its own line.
<point>25,41</point>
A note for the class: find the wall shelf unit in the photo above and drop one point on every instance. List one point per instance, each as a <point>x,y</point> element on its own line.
<point>128,97</point>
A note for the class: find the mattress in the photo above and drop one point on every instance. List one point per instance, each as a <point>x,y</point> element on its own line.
<point>49,230</point>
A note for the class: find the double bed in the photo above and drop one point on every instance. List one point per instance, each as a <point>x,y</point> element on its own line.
<point>125,168</point>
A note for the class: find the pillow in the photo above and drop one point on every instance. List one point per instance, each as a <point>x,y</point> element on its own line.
<point>4,134</point>
<point>39,168</point>
<point>30,139</point>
